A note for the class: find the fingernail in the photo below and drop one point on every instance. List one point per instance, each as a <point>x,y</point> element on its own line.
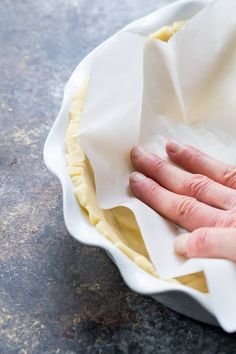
<point>180,244</point>
<point>137,177</point>
<point>173,146</point>
<point>138,152</point>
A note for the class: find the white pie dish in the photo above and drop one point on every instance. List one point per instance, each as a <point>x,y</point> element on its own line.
<point>176,296</point>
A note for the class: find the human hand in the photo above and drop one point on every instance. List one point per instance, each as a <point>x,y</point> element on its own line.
<point>201,199</point>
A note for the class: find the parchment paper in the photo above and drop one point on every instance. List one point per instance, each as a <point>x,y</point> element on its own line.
<point>145,92</point>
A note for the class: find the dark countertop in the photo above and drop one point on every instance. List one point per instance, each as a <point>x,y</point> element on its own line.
<point>57,296</point>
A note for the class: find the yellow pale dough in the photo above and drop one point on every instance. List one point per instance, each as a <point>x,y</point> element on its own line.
<point>165,33</point>
<point>118,225</point>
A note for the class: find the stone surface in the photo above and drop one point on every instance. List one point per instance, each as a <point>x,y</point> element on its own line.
<point>57,296</point>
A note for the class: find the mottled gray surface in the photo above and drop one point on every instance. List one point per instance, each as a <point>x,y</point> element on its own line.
<point>57,296</point>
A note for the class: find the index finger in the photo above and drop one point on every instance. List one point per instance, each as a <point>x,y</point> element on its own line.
<point>197,161</point>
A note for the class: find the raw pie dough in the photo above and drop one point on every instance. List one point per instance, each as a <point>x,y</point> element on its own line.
<point>117,224</point>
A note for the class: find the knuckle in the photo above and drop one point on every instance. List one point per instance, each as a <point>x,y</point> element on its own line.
<point>230,221</point>
<point>153,190</point>
<point>218,220</point>
<point>198,245</point>
<point>230,204</point>
<point>158,164</point>
<point>196,155</point>
<point>196,184</point>
<point>185,206</point>
<point>229,176</point>
<point>224,220</point>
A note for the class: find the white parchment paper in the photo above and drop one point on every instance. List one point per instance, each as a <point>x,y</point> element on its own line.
<point>145,92</point>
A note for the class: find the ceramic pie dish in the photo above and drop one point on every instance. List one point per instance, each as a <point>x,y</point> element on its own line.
<point>175,295</point>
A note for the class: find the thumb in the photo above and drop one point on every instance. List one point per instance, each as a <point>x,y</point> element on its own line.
<point>208,243</point>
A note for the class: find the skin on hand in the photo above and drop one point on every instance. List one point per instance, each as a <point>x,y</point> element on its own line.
<point>201,198</point>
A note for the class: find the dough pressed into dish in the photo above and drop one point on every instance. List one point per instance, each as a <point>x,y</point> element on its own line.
<point>117,224</point>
